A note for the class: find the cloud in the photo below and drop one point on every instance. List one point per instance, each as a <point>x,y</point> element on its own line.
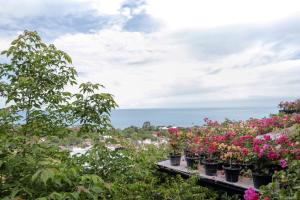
<point>184,54</point>
<point>193,14</point>
<point>142,22</point>
<point>223,41</point>
<point>52,18</point>
<point>157,70</point>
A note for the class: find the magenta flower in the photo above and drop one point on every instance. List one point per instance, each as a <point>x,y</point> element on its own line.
<point>250,194</point>
<point>283,138</point>
<point>173,130</point>
<point>267,137</point>
<point>273,155</point>
<point>283,163</point>
<point>245,151</point>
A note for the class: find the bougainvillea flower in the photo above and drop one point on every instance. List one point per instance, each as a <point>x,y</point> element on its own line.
<point>283,163</point>
<point>250,194</point>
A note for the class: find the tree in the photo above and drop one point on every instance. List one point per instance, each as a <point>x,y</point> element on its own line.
<point>36,74</point>
<point>33,82</point>
<point>91,110</point>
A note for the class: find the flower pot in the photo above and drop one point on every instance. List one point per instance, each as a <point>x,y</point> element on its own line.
<point>202,158</point>
<point>274,168</point>
<point>220,165</point>
<point>192,162</point>
<point>232,173</point>
<point>175,159</point>
<point>260,179</point>
<point>210,168</point>
<point>186,152</point>
<point>288,111</point>
<point>246,166</point>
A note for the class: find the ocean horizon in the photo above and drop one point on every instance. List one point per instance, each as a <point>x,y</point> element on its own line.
<point>185,117</point>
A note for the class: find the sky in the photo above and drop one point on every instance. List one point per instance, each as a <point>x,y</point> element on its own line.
<point>172,53</point>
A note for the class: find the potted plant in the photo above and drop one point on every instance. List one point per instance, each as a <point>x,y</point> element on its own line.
<point>245,143</point>
<point>288,107</point>
<point>212,156</point>
<point>264,156</point>
<point>232,156</point>
<point>175,143</point>
<point>192,155</point>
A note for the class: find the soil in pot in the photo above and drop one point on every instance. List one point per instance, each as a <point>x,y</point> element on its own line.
<point>260,179</point>
<point>192,162</point>
<point>210,168</point>
<point>175,159</point>
<point>232,173</point>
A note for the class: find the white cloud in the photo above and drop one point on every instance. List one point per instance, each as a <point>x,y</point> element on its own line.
<point>108,7</point>
<point>213,13</point>
<point>208,52</point>
<point>156,70</point>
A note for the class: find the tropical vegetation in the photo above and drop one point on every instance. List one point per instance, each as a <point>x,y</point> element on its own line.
<point>42,122</point>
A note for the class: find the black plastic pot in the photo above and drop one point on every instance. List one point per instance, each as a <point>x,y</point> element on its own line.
<point>246,166</point>
<point>192,162</point>
<point>220,165</point>
<point>232,173</point>
<point>259,179</point>
<point>274,168</point>
<point>288,111</point>
<point>175,159</point>
<point>210,168</point>
<point>186,152</point>
<point>202,158</point>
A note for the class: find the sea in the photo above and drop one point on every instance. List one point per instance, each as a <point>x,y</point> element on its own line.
<point>122,118</point>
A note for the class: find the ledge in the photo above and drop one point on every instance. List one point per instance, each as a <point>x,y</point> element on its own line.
<point>243,184</point>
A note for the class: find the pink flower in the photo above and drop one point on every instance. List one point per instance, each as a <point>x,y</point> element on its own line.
<point>173,131</point>
<point>256,148</point>
<point>266,198</point>
<point>257,141</point>
<point>283,138</point>
<point>267,137</point>
<point>245,151</point>
<point>230,134</point>
<point>283,163</point>
<point>273,155</point>
<point>250,194</point>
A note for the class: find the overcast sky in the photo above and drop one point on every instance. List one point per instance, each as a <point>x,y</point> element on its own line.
<point>172,53</point>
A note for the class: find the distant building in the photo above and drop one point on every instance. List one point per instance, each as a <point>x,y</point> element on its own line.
<point>147,125</point>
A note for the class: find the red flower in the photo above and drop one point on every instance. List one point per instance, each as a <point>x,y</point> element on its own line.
<point>266,198</point>
<point>273,155</point>
<point>267,137</point>
<point>283,138</point>
<point>173,130</point>
<point>245,151</point>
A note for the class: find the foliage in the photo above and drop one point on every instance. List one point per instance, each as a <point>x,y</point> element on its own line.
<point>32,169</point>
<point>137,133</point>
<point>176,140</point>
<point>292,106</point>
<point>35,76</point>
<point>286,184</point>
<point>33,166</point>
<point>91,109</point>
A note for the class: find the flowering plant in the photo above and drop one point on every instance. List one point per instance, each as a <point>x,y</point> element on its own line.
<point>193,148</point>
<point>231,154</point>
<point>267,153</point>
<point>175,140</point>
<point>251,194</point>
<point>290,105</point>
<point>210,146</point>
